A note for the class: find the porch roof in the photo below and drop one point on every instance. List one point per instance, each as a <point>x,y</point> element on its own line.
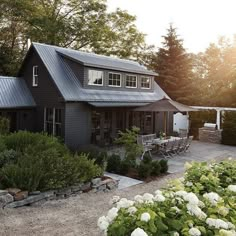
<point>117,104</point>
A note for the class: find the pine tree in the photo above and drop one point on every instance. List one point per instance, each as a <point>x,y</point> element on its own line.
<point>173,65</point>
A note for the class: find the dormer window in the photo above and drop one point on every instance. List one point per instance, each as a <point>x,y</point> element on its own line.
<point>114,80</point>
<point>95,77</point>
<point>35,79</point>
<point>131,81</point>
<point>145,82</point>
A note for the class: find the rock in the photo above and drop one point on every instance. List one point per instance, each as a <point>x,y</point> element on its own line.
<point>86,187</point>
<point>21,195</point>
<point>96,181</point>
<point>64,191</point>
<point>101,188</point>
<point>112,185</point>
<point>13,191</point>
<point>3,192</point>
<point>35,193</point>
<point>76,188</point>
<point>5,199</point>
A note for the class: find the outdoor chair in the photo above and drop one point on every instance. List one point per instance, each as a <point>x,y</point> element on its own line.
<point>176,146</point>
<point>182,144</point>
<point>183,133</point>
<point>147,145</point>
<point>188,143</point>
<point>166,149</point>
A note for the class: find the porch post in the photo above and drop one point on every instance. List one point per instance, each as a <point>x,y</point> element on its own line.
<point>218,119</point>
<point>113,123</point>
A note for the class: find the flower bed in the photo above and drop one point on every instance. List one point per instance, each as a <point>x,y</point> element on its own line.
<point>201,203</point>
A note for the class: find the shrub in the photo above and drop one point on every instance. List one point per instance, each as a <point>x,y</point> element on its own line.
<point>4,126</point>
<point>180,209</point>
<point>156,168</point>
<point>229,128</point>
<point>144,170</point>
<point>164,166</point>
<point>146,158</point>
<point>126,164</point>
<point>114,163</point>
<point>8,157</point>
<point>2,145</point>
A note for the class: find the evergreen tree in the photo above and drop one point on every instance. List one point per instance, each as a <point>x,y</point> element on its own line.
<point>173,65</point>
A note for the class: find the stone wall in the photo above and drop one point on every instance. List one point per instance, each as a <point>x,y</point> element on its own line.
<point>14,197</point>
<point>210,135</point>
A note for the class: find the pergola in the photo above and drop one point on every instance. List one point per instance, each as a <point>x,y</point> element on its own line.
<point>218,112</point>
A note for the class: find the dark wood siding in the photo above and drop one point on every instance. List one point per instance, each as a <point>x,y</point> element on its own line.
<point>77,125</point>
<point>46,93</point>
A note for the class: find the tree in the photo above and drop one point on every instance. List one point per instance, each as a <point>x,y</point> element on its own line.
<point>79,24</point>
<point>173,65</point>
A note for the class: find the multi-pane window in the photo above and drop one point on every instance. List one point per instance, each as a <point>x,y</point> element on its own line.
<point>95,77</point>
<point>145,82</point>
<point>35,76</point>
<point>53,121</point>
<point>114,80</point>
<point>131,81</point>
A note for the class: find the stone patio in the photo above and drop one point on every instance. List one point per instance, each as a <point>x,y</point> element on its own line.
<point>200,151</point>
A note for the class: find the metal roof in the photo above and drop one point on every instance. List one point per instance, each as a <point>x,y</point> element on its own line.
<point>117,104</point>
<point>14,93</point>
<point>71,88</point>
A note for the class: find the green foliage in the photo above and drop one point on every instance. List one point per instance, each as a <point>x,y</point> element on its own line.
<point>156,168</point>
<point>126,164</point>
<point>164,166</point>
<point>114,163</point>
<point>229,128</point>
<point>8,157</point>
<point>4,126</point>
<point>144,170</point>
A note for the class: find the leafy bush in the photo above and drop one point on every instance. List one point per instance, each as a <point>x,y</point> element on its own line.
<point>156,168</point>
<point>4,126</point>
<point>229,129</point>
<point>126,164</point>
<point>8,157</point>
<point>2,145</point>
<point>183,208</point>
<point>146,158</point>
<point>164,166</point>
<point>114,163</point>
<point>144,170</point>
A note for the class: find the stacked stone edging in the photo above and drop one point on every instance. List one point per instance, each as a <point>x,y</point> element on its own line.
<point>210,135</point>
<point>14,197</point>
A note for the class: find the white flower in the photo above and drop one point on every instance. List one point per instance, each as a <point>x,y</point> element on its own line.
<point>148,198</point>
<point>114,199</point>
<point>138,199</point>
<point>112,214</point>
<point>103,223</point>
<point>138,232</point>
<point>181,193</point>
<point>158,192</point>
<point>181,179</point>
<point>159,198</point>
<point>176,209</point>
<point>231,226</point>
<point>176,234</point>
<point>232,188</point>
<point>132,210</point>
<point>187,165</point>
<point>145,217</point>
<point>217,223</point>
<point>191,198</point>
<point>189,184</point>
<point>194,232</point>
<point>201,204</point>
<point>195,210</point>
<point>212,197</point>
<point>124,203</point>
<point>224,232</point>
<point>224,211</point>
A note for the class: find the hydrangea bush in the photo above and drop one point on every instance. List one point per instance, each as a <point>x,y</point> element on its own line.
<point>203,202</point>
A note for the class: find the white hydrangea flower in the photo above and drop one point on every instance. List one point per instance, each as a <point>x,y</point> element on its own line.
<point>187,165</point>
<point>159,198</point>
<point>201,204</point>
<point>212,197</point>
<point>103,223</point>
<point>181,179</point>
<point>176,209</point>
<point>217,223</point>
<point>191,198</point>
<point>114,199</point>
<point>232,188</point>
<point>231,226</point>
<point>112,214</point>
<point>224,211</point>
<point>145,217</point>
<point>148,197</point>
<point>224,232</point>
<point>181,193</point>
<point>176,234</point>
<point>189,184</point>
<point>138,232</point>
<point>158,192</point>
<point>138,199</point>
<point>132,210</point>
<point>194,232</point>
<point>124,203</point>
<point>195,210</point>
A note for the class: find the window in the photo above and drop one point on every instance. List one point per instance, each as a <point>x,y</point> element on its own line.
<point>95,77</point>
<point>114,80</point>
<point>53,121</point>
<point>146,82</point>
<point>35,76</point>
<point>131,81</point>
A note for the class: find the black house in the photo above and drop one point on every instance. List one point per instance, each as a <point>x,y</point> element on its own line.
<point>83,97</point>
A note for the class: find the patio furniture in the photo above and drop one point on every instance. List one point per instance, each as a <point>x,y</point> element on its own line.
<point>167,148</point>
<point>147,142</point>
<point>183,133</point>
<point>188,143</point>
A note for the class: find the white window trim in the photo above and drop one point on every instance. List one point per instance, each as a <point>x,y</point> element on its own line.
<point>34,84</point>
<point>117,86</point>
<point>102,78</point>
<point>135,78</point>
<point>150,84</point>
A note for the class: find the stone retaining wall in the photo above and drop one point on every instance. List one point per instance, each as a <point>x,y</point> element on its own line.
<point>14,197</point>
<point>210,135</point>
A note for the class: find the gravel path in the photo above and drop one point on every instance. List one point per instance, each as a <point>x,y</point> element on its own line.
<point>73,216</point>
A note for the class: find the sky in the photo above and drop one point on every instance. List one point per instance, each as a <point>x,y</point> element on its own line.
<point>198,22</point>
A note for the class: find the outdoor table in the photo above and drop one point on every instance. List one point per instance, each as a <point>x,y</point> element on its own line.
<point>159,141</point>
